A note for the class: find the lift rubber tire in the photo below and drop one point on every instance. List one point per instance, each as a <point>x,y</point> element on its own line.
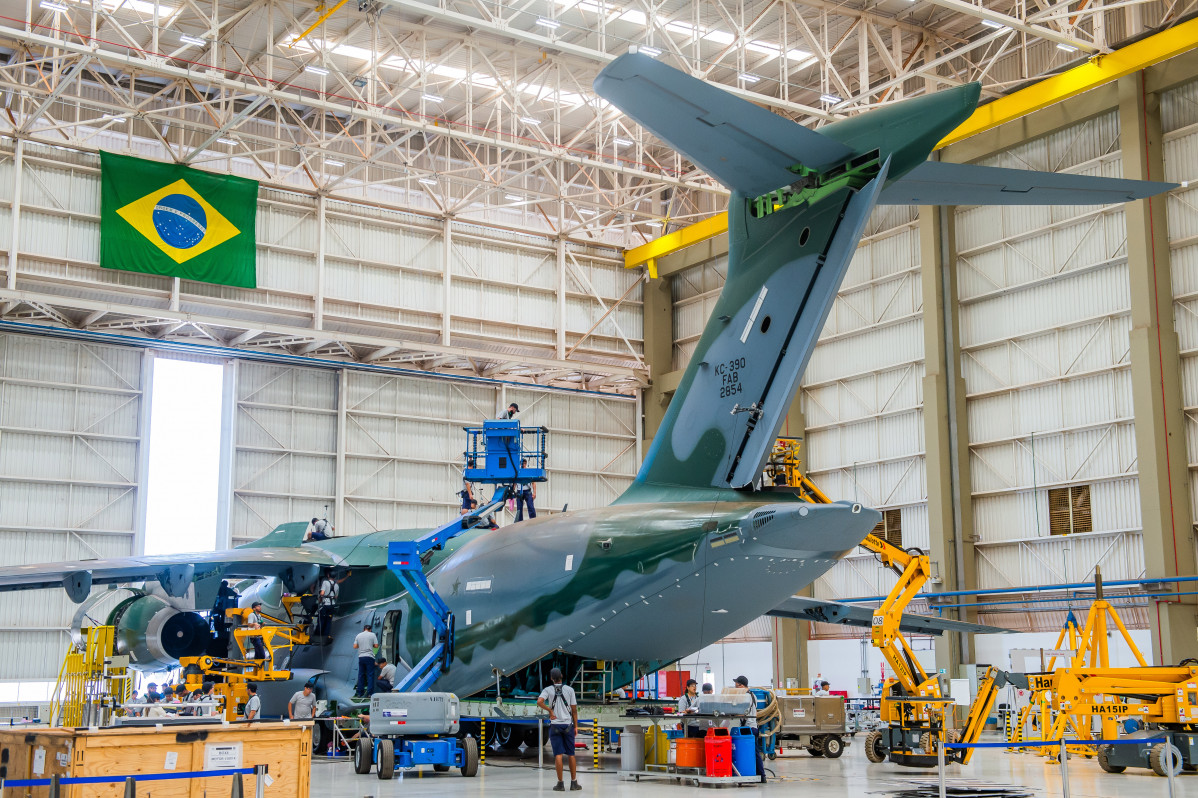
<point>833,746</point>
<point>363,753</point>
<point>470,747</point>
<point>441,768</point>
<point>1104,763</point>
<point>386,763</point>
<point>929,742</point>
<point>874,751</point>
<point>1156,759</point>
<point>811,749</point>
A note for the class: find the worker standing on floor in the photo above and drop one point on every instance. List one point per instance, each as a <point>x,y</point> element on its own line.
<point>302,705</point>
<point>688,704</point>
<point>364,644</point>
<point>560,702</point>
<point>253,706</point>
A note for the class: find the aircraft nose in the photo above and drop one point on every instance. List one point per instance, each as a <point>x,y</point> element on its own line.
<point>808,529</point>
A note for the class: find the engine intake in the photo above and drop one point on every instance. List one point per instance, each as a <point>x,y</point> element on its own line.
<point>155,635</point>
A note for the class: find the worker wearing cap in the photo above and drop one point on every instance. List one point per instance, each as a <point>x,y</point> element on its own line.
<point>562,705</point>
<point>253,620</point>
<point>510,413</point>
<point>740,686</point>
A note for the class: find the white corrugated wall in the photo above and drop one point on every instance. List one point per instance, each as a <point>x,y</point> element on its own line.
<point>1044,320</point>
<point>383,269</point>
<point>70,442</point>
<point>1179,119</point>
<point>285,459</point>
<point>863,395</point>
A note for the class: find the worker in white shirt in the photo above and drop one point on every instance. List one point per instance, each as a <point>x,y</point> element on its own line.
<point>823,689</point>
<point>253,706</point>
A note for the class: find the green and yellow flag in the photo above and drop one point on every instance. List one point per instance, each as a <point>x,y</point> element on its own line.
<point>170,219</point>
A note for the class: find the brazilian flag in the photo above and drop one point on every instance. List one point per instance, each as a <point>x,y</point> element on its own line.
<point>170,219</point>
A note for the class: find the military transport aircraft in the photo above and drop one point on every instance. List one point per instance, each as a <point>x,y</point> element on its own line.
<point>696,547</point>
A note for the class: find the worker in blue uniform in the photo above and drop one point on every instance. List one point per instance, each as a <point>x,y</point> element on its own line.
<point>526,493</point>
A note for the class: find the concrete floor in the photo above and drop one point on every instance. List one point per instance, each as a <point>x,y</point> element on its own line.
<point>851,775</point>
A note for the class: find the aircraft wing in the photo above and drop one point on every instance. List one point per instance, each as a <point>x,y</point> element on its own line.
<point>939,183</point>
<point>824,611</point>
<point>744,146</point>
<point>298,567</point>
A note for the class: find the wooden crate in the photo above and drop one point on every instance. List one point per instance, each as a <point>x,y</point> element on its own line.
<point>285,748</point>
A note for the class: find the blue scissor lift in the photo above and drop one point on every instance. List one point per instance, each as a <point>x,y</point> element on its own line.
<point>499,453</point>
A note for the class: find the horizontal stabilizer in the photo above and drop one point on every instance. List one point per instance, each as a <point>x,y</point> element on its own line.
<point>939,183</point>
<point>823,611</point>
<point>744,146</point>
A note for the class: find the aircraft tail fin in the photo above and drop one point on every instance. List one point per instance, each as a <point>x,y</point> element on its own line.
<point>799,204</point>
<point>744,146</point>
<point>286,535</point>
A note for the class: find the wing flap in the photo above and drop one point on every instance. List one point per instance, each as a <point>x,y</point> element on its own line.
<point>824,611</point>
<point>744,146</point>
<point>938,183</point>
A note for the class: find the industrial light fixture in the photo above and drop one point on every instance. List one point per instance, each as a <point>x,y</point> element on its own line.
<point>316,70</point>
<point>432,98</point>
<point>622,142</point>
<point>652,52</point>
<point>55,7</point>
<point>1067,48</point>
<point>359,82</point>
<point>990,23</point>
<point>428,181</point>
<point>230,142</point>
<point>513,197</point>
<point>830,98</point>
<point>196,40</point>
<point>331,162</point>
<point>530,120</point>
<point>749,77</point>
<point>552,24</point>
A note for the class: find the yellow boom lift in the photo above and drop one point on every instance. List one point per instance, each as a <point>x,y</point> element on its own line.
<point>915,707</point>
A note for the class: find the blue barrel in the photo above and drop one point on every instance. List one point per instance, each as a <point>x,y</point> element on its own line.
<point>744,758</point>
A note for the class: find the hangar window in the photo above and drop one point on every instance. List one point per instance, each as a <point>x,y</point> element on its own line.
<point>890,528</point>
<point>1069,510</point>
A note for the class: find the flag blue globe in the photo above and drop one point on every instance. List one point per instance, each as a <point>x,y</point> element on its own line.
<point>180,220</point>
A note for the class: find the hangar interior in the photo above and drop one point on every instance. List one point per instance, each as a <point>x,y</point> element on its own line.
<point>450,219</point>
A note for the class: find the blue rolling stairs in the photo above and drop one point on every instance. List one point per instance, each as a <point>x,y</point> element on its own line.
<point>493,456</point>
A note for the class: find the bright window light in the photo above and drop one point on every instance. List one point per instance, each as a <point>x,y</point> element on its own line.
<point>316,70</point>
<point>428,181</point>
<point>552,24</point>
<point>830,98</point>
<point>331,162</point>
<point>185,436</point>
<point>634,16</point>
<point>990,23</point>
<point>798,55</point>
<point>1067,48</point>
<point>652,52</point>
<point>530,120</point>
<point>196,40</point>
<point>622,142</point>
<point>57,8</point>
<point>719,37</point>
<point>749,77</point>
<point>432,98</point>
<point>146,7</point>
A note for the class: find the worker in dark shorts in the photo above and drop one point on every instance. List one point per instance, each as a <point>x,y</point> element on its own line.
<point>560,702</point>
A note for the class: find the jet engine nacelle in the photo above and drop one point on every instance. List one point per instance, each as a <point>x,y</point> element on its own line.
<point>155,635</point>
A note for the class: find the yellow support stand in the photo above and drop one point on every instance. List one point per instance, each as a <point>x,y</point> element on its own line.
<point>89,676</point>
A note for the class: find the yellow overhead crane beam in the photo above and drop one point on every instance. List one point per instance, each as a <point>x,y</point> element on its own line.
<point>1099,70</point>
